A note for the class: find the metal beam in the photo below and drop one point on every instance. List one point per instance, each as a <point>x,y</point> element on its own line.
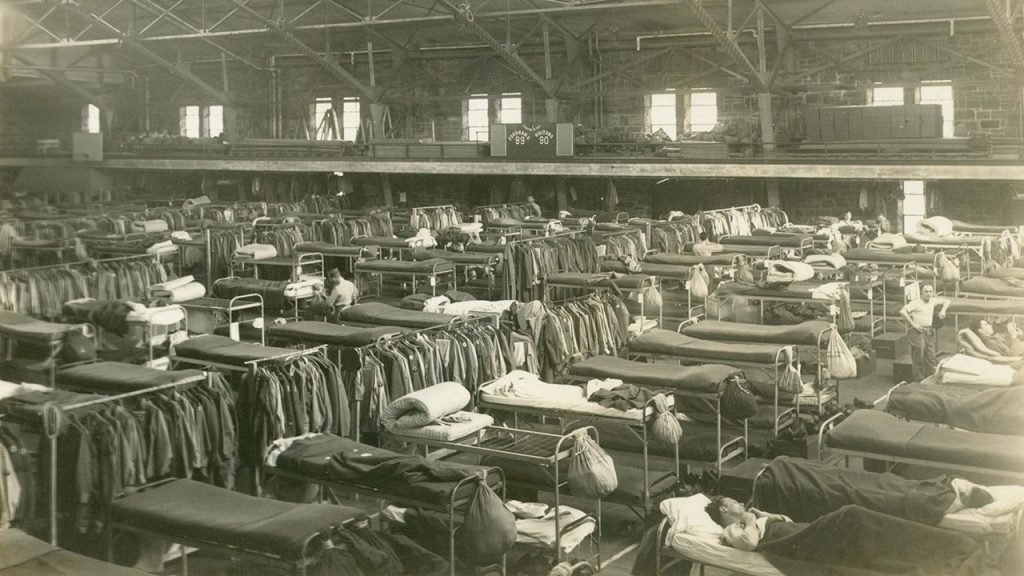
<point>152,6</point>
<point>853,170</point>
<point>329,65</point>
<point>847,58</point>
<point>178,70</point>
<point>58,77</point>
<point>622,68</point>
<point>464,14</point>
<point>723,38</point>
<point>1006,31</point>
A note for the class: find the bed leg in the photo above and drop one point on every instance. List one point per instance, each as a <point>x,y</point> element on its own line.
<point>184,561</point>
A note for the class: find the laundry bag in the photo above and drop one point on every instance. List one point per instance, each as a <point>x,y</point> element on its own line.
<point>841,363</point>
<point>489,529</point>
<point>591,469</point>
<point>699,281</point>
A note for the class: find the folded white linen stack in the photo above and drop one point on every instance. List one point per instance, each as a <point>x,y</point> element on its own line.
<point>178,290</point>
<point>425,406</point>
<point>826,261</point>
<point>256,251</point>
<point>148,226</point>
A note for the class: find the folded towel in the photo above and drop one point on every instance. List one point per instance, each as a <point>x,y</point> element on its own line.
<point>964,364</point>
<point>887,243</point>
<point>189,291</point>
<point>826,261</point>
<point>149,226</point>
<point>172,284</point>
<point>256,251</point>
<point>422,407</point>
<point>935,226</point>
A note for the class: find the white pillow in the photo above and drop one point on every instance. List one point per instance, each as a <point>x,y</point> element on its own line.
<point>1007,499</point>
<point>687,515</point>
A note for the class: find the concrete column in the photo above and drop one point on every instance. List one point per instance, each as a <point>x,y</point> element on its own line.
<point>231,123</point>
<point>552,109</point>
<point>772,187</point>
<point>561,193</point>
<point>764,108</point>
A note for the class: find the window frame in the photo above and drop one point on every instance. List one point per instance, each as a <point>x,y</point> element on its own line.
<point>184,120</point>
<point>473,130</point>
<point>914,189</point>
<point>91,114</point>
<point>885,102</point>
<point>692,109</point>
<point>948,120</point>
<point>504,109</point>
<point>347,114</point>
<point>657,117</point>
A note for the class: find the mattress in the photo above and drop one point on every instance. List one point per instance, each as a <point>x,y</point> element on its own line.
<point>224,350</point>
<point>586,280</point>
<point>461,258</point>
<point>877,432</point>
<point>669,343</point>
<point>922,240</point>
<point>384,315</point>
<point>706,379</point>
<point>436,494</point>
<point>1017,273</point>
<point>722,259</point>
<point>269,289</point>
<point>659,270</point>
<point>803,334</point>
<point>14,325</point>
<point>750,250</point>
<point>959,226</point>
<point>784,240</point>
<point>328,249</point>
<point>119,377</point>
<point>978,306</point>
<point>429,266</point>
<point>707,549</point>
<point>558,398</point>
<point>315,332</point>
<point>866,255</point>
<point>999,411</point>
<point>193,510</point>
<point>801,290</point>
<point>486,248</point>
<point>382,241</point>
<point>23,555</point>
<point>992,287</point>
<point>448,431</point>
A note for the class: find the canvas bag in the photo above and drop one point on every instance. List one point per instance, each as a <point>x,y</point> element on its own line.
<point>699,281</point>
<point>489,529</point>
<point>738,399</point>
<point>946,270</point>
<point>841,363</point>
<point>591,469</point>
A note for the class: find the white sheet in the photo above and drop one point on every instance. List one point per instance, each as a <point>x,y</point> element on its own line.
<point>157,315</point>
<point>544,396</point>
<point>997,517</point>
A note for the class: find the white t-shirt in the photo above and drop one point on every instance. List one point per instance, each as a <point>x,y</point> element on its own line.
<point>921,312</point>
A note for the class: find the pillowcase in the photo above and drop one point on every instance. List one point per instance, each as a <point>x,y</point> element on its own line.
<point>687,515</point>
<point>1007,499</point>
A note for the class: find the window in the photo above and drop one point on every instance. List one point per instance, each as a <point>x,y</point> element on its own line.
<point>887,96</point>
<point>703,112</point>
<point>511,111</point>
<point>662,113</point>
<point>350,119</point>
<point>477,119</point>
<point>214,121</point>
<point>91,119</point>
<point>913,204</point>
<point>941,94</point>
<point>323,120</point>
<point>188,121</point>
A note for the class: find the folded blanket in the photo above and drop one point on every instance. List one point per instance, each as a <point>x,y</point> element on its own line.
<point>424,406</point>
<point>172,284</point>
<point>256,251</point>
<point>165,247</point>
<point>189,291</point>
<point>887,243</point>
<point>826,261</point>
<point>786,271</point>
<point>999,376</point>
<point>935,226</point>
<point>149,226</point>
<point>449,428</point>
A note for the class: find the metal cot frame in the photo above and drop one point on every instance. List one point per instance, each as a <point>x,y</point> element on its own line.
<point>647,413</point>
<point>377,277</point>
<point>530,447</point>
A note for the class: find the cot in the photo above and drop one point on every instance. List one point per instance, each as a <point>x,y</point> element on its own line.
<point>568,402</point>
<point>18,328</point>
<point>450,497</point>
<point>118,377</point>
<point>294,267</point>
<point>988,410</point>
<point>210,518</point>
<point>529,459</point>
<point>430,272</point>
<point>275,294</point>
<point>207,314</point>
<point>876,435</point>
<point>661,344</point>
<point>378,314</point>
<point>704,383</point>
